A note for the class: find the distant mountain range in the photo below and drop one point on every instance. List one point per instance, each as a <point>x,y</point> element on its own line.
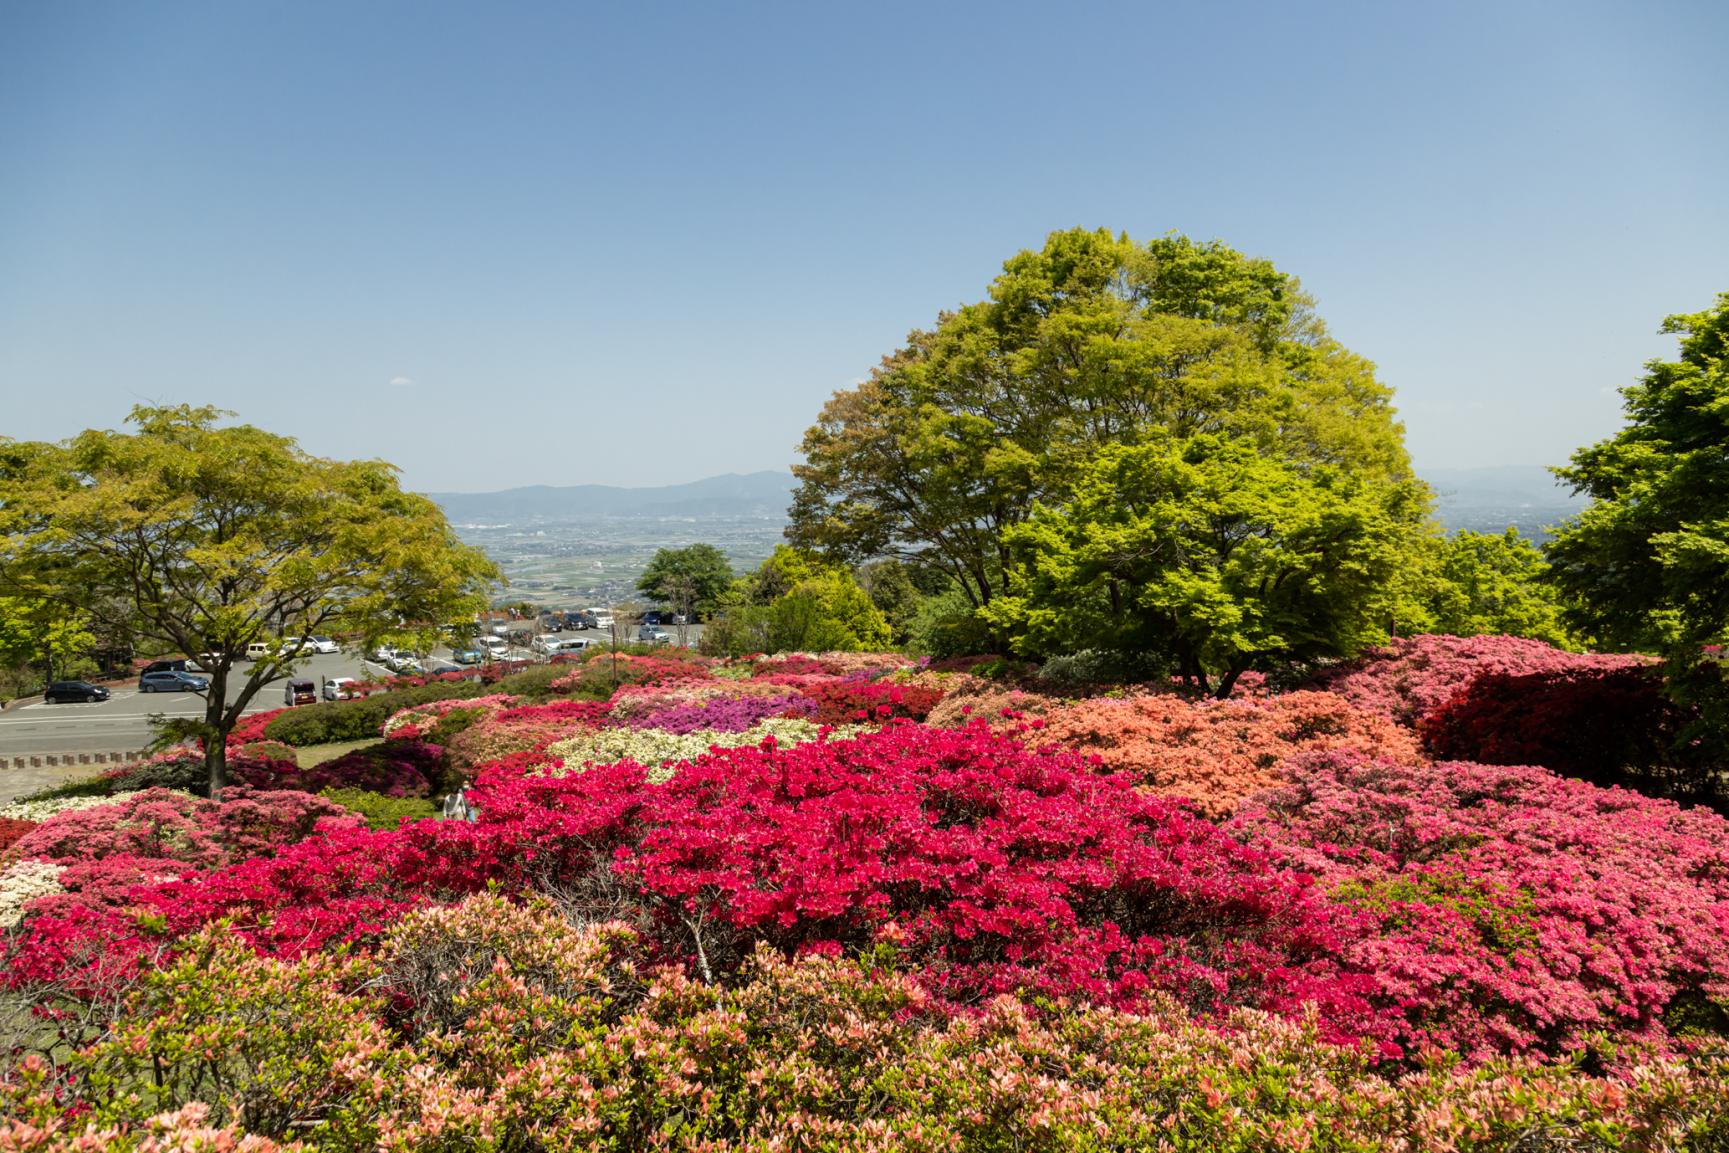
<point>1525,495</point>
<point>757,494</point>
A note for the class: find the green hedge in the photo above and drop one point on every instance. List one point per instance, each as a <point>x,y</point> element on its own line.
<point>360,719</point>
<point>380,811</point>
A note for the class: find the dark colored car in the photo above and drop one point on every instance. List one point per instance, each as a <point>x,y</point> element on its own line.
<point>656,618</point>
<point>169,681</point>
<point>177,665</point>
<point>74,691</point>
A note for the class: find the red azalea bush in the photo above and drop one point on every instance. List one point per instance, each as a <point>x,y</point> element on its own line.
<point>1516,910</point>
<point>846,700</point>
<point>992,867</point>
<point>1411,676</point>
<point>1215,753</point>
<point>250,729</point>
<point>11,829</point>
<point>1606,726</point>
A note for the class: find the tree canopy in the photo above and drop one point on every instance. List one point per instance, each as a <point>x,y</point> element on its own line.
<point>208,539</point>
<point>693,578</point>
<point>1646,564</point>
<point>1092,343</point>
<point>795,602</point>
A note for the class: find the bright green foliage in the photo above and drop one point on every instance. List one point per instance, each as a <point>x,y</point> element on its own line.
<point>1091,342</point>
<point>1485,584</point>
<point>39,634</point>
<point>380,811</point>
<point>690,578</point>
<point>1646,565</point>
<point>210,539</point>
<point>794,602</point>
<point>1214,556</point>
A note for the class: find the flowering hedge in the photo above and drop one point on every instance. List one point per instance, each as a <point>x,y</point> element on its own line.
<point>1606,726</point>
<point>657,748</point>
<point>394,768</point>
<point>163,825</point>
<point>493,1026</point>
<point>520,730</point>
<point>12,828</point>
<point>417,721</point>
<point>1215,753</point>
<point>1515,909</point>
<point>1410,677</point>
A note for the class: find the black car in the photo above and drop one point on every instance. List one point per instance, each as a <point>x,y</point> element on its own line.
<point>653,618</point>
<point>169,681</point>
<point>177,665</point>
<point>75,691</point>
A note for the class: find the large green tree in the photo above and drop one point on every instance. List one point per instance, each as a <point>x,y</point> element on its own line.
<point>210,538</point>
<point>1206,553</point>
<point>692,579</point>
<point>1484,583</point>
<point>795,602</point>
<point>1646,564</point>
<point>1091,342</point>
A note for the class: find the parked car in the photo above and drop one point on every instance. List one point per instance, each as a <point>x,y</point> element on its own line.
<point>298,692</point>
<point>339,688</point>
<point>468,656</point>
<point>407,663</point>
<point>546,643</point>
<point>650,635</point>
<point>383,655</point>
<point>169,681</point>
<point>653,617</point>
<point>495,647</point>
<point>84,691</point>
<point>258,650</point>
<point>175,665</point>
<point>323,645</point>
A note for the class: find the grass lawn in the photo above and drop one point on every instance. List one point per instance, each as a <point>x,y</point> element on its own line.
<point>317,754</point>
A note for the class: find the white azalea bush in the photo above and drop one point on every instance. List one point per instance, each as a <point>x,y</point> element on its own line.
<point>660,750</point>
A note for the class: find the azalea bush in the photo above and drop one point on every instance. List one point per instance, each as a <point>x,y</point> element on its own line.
<point>1407,679</point>
<point>1514,910</point>
<point>659,749</point>
<point>839,701</point>
<point>419,721</point>
<point>1215,753</point>
<point>12,828</point>
<point>1606,726</point>
<point>491,1025</point>
<point>520,730</point>
<point>395,768</point>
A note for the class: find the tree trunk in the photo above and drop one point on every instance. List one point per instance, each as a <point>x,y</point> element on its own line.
<point>216,733</point>
<point>1227,683</point>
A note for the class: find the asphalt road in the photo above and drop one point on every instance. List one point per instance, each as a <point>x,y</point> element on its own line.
<point>120,724</point>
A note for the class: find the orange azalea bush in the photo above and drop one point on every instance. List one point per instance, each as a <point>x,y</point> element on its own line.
<point>1215,753</point>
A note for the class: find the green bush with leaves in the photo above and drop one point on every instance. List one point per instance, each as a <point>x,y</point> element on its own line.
<point>380,811</point>
<point>361,718</point>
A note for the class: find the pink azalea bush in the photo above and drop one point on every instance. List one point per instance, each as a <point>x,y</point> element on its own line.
<point>1407,679</point>
<point>1516,910</point>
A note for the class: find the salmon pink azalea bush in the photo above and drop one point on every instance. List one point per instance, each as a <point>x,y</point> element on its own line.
<point>1215,753</point>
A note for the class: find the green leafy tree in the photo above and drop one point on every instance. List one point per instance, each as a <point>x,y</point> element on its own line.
<point>794,602</point>
<point>1646,564</point>
<point>38,634</point>
<point>1217,558</point>
<point>1091,342</point>
<point>1488,584</point>
<point>215,538</point>
<point>692,579</point>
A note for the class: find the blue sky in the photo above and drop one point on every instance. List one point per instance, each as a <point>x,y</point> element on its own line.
<point>637,244</point>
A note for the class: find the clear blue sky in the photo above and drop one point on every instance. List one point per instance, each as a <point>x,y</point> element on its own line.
<point>635,244</point>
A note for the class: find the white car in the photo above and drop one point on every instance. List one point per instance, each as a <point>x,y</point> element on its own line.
<point>338,688</point>
<point>323,645</point>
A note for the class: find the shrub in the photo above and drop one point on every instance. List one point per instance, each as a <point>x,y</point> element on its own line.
<point>1413,675</point>
<point>519,730</point>
<point>396,768</point>
<point>1516,910</point>
<point>359,719</point>
<point>11,828</point>
<point>157,824</point>
<point>1606,726</point>
<point>493,1026</point>
<point>724,714</point>
<point>380,811</point>
<point>418,721</point>
<point>971,698</point>
<point>839,701</point>
<point>1215,753</point>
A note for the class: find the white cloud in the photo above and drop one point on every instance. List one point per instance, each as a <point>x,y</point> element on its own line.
<point>402,381</point>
